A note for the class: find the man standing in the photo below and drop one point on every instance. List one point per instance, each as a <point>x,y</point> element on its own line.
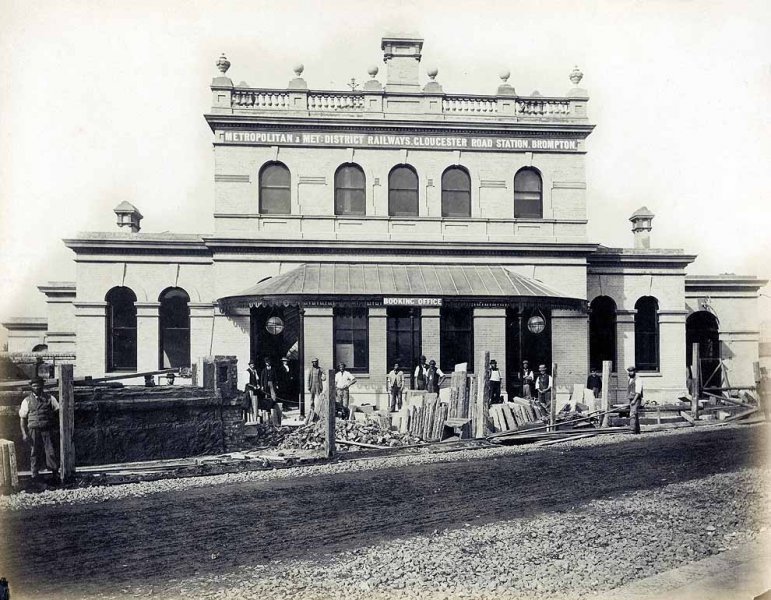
<point>420,374</point>
<point>434,377</point>
<point>543,387</point>
<point>495,383</point>
<point>269,385</point>
<point>286,383</point>
<point>527,380</point>
<point>252,388</point>
<point>394,385</point>
<point>634,392</point>
<point>316,379</point>
<point>343,381</point>
<point>38,419</point>
<point>594,382</point>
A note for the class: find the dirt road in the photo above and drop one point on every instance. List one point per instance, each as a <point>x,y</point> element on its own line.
<point>66,551</point>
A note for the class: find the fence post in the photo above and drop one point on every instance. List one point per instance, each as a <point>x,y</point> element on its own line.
<point>66,423</point>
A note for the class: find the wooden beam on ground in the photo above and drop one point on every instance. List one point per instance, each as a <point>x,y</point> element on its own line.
<point>687,417</point>
<point>66,423</point>
<point>605,394</point>
<point>741,415</point>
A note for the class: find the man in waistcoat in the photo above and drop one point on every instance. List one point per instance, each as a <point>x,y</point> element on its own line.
<point>394,385</point>
<point>634,392</point>
<point>420,374</point>
<point>39,418</point>
<point>495,383</point>
<point>269,384</point>
<point>252,387</point>
<point>316,379</point>
<point>434,378</point>
<point>543,385</point>
<point>527,377</point>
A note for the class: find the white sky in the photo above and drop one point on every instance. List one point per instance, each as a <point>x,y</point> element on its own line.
<point>102,102</point>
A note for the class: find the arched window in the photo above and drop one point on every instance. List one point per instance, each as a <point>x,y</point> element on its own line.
<point>528,194</point>
<point>403,192</point>
<point>456,193</point>
<point>174,329</point>
<point>350,190</point>
<point>602,332</point>
<point>275,189</point>
<point>121,329</point>
<point>646,334</point>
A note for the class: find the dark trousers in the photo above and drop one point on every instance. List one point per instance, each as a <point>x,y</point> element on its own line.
<point>495,392</point>
<point>634,415</point>
<point>395,399</point>
<point>41,441</point>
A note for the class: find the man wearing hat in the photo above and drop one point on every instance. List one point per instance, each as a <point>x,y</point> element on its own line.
<point>39,419</point>
<point>634,392</point>
<point>343,381</point>
<point>394,386</point>
<point>434,377</point>
<point>315,382</point>
<point>495,383</point>
<point>420,374</point>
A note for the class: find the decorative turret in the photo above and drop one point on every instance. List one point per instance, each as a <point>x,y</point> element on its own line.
<point>128,216</point>
<point>641,227</point>
<point>401,54</point>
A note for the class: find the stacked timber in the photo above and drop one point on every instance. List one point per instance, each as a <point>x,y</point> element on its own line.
<point>515,414</point>
<point>426,414</point>
<point>9,477</point>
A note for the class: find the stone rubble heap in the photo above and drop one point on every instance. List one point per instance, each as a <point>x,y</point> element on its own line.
<point>311,437</point>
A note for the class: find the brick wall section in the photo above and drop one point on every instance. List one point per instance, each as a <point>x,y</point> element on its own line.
<point>318,337</point>
<point>490,336</point>
<point>374,384</point>
<point>570,347</point>
<point>429,334</point>
<point>90,325</point>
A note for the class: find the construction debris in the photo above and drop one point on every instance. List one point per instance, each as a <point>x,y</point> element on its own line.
<point>364,434</point>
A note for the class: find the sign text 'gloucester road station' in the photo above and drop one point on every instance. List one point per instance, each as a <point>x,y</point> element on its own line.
<point>377,140</point>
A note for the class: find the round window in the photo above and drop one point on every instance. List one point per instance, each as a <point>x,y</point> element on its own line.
<point>536,324</point>
<point>274,325</point>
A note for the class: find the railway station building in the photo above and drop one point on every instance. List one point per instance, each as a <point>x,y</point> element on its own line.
<point>397,220</point>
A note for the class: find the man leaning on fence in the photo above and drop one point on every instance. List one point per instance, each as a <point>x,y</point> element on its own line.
<point>39,419</point>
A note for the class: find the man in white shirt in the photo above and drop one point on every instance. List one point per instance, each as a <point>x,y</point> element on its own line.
<point>495,383</point>
<point>634,392</point>
<point>343,381</point>
<point>420,374</point>
<point>543,385</point>
<point>38,417</point>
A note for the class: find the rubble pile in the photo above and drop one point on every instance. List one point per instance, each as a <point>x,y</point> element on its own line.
<point>310,437</point>
<point>267,434</point>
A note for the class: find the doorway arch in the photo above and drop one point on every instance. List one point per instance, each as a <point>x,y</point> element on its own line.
<point>703,328</point>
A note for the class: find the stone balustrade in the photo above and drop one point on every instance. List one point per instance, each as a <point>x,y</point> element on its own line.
<point>433,105</point>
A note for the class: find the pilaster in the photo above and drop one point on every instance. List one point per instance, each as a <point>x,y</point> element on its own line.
<point>490,336</point>
<point>429,333</point>
<point>148,335</point>
<point>570,346</point>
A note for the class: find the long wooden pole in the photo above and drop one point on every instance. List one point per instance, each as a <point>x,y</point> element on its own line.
<point>329,416</point>
<point>553,407</point>
<point>66,423</point>
<point>696,386</point>
<point>605,394</point>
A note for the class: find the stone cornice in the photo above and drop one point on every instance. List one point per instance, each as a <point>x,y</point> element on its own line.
<point>635,259</point>
<point>696,284</point>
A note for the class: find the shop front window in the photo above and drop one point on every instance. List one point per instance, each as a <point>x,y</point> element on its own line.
<point>456,332</point>
<point>351,333</point>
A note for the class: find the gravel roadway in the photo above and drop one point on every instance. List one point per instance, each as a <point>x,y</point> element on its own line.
<point>567,520</point>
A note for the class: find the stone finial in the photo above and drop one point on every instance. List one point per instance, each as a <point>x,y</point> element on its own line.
<point>373,85</point>
<point>298,83</point>
<point>128,216</point>
<point>536,94</point>
<point>372,71</point>
<point>505,89</point>
<point>641,227</point>
<point>223,64</point>
<point>576,75</point>
<point>432,86</point>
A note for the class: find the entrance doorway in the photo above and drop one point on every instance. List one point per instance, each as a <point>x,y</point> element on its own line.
<point>276,333</point>
<point>528,337</point>
<point>403,340</point>
<point>702,328</point>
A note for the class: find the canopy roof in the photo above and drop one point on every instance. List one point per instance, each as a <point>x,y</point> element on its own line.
<point>333,280</point>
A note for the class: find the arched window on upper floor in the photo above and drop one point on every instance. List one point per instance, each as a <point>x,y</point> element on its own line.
<point>403,192</point>
<point>602,332</point>
<point>528,194</point>
<point>275,189</point>
<point>456,192</point>
<point>121,329</point>
<point>174,329</point>
<point>350,190</point>
<point>646,334</point>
